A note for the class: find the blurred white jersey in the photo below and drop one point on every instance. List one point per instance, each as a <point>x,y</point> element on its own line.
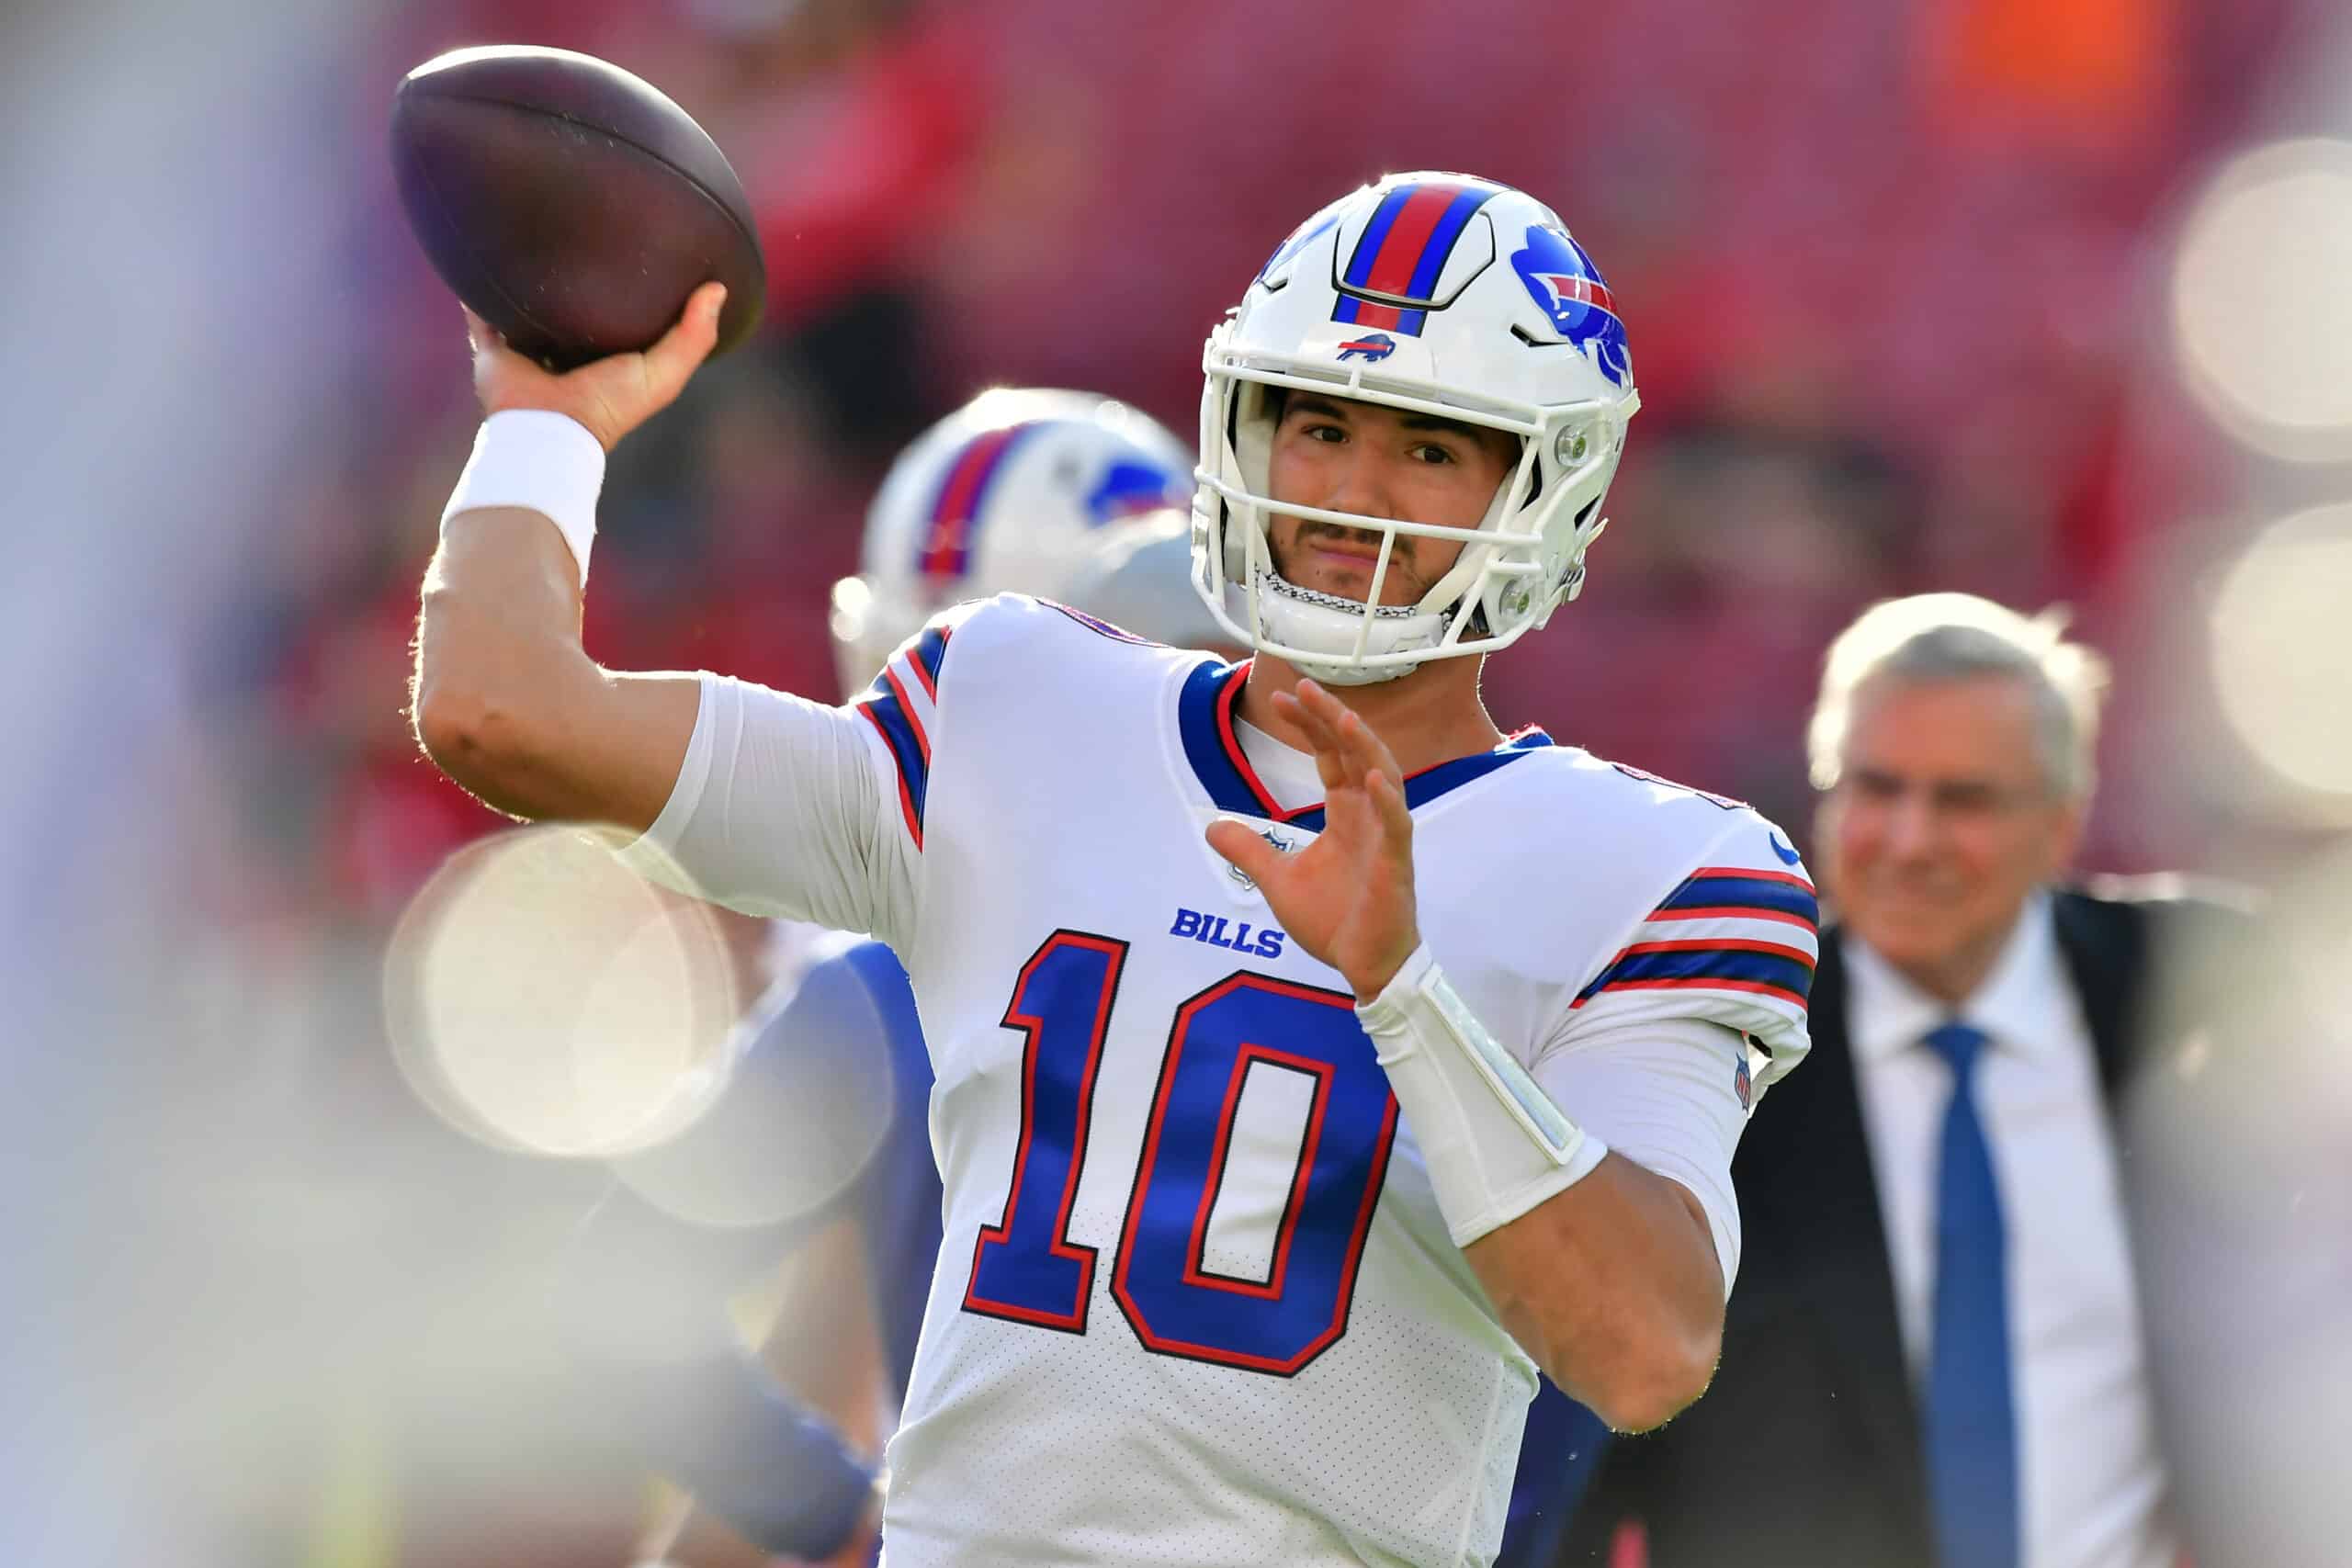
<point>1196,1304</point>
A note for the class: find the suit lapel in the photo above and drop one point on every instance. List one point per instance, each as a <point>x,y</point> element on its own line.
<point>2101,942</point>
<point>1851,1236</point>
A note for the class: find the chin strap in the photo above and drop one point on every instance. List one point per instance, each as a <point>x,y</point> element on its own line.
<point>1273,585</point>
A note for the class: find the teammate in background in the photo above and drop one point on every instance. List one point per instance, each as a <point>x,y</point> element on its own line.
<point>1309,1072</point>
<point>1070,495</point>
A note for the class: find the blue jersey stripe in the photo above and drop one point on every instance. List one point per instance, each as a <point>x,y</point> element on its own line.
<point>1430,782</point>
<point>1198,711</point>
<point>1746,892</point>
<point>1697,967</point>
<point>929,654</point>
<point>899,730</point>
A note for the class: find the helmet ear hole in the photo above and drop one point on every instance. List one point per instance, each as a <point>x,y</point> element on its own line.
<point>1252,409</point>
<point>1233,442</point>
<point>1256,409</point>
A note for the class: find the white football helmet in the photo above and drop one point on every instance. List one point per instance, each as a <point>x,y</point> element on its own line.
<point>1008,494</point>
<point>1440,294</point>
<point>1139,578</point>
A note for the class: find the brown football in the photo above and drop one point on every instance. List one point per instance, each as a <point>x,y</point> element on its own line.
<point>571,205</point>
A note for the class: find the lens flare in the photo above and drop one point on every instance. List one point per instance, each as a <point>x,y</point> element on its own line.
<point>2262,321</point>
<point>545,998</point>
<point>2280,663</point>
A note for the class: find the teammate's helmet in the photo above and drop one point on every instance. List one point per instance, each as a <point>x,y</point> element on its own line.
<point>1139,578</point>
<point>1440,294</point>
<point>1006,495</point>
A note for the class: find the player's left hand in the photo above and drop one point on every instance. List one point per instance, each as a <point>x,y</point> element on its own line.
<point>1348,896</point>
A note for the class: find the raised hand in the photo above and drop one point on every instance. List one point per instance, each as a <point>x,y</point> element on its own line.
<point>1348,896</point>
<point>611,396</point>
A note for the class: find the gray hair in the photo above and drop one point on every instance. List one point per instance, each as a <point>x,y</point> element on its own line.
<point>1956,636</point>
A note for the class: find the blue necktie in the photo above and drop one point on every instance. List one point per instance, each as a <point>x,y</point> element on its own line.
<point>1969,1426</point>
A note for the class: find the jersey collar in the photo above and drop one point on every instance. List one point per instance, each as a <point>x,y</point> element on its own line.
<point>1204,714</point>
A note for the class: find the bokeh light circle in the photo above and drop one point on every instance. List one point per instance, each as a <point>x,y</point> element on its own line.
<point>545,998</point>
<point>2281,657</point>
<point>2262,319</point>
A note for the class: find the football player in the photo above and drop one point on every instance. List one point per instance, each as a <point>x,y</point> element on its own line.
<point>1072,496</point>
<point>1314,1061</point>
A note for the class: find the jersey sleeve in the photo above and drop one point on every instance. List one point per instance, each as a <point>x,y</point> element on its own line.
<point>1701,1003</point>
<point>901,708</point>
<point>1731,942</point>
<point>1664,1093</point>
<point>789,808</point>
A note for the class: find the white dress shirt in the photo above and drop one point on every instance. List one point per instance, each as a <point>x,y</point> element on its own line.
<point>2091,1479</point>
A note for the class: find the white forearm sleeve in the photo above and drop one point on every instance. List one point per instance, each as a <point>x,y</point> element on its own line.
<point>1495,1145</point>
<point>782,807</point>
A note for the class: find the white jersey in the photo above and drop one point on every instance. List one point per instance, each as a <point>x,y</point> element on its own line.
<point>1196,1304</point>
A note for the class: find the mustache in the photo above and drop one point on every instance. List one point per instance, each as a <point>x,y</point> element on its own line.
<point>1400,572</point>
<point>1342,533</point>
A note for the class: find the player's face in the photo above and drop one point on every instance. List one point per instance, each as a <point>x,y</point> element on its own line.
<point>1941,824</point>
<point>1344,456</point>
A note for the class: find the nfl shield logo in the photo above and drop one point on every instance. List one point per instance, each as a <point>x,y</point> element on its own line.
<point>1270,837</point>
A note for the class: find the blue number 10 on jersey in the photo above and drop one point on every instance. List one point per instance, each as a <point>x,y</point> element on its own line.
<point>1026,1269</point>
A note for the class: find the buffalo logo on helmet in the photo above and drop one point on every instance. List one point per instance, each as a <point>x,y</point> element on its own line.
<point>1131,487</point>
<point>1568,289</point>
<point>1372,348</point>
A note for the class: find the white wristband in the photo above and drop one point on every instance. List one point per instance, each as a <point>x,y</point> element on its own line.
<point>540,461</point>
<point>1493,1143</point>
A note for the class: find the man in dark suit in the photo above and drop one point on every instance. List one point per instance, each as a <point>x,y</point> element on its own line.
<point>1934,1356</point>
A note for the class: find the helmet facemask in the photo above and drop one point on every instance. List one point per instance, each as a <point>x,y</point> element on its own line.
<point>1522,557</point>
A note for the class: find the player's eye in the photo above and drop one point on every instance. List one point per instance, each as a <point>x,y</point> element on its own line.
<point>1432,452</point>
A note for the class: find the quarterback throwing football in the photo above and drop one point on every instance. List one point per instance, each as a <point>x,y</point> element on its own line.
<point>1315,1062</point>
